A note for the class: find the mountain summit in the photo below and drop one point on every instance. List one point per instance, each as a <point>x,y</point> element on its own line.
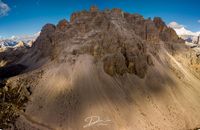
<point>116,69</point>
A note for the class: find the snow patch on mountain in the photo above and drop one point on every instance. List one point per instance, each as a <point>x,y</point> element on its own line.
<point>18,41</point>
<point>184,33</point>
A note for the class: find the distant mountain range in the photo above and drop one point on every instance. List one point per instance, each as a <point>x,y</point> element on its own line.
<point>10,43</point>
<point>184,33</point>
<point>18,41</point>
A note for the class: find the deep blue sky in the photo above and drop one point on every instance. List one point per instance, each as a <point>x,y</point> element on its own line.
<point>28,16</point>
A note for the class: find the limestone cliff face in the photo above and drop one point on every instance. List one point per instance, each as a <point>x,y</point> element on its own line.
<point>117,38</point>
<point>124,42</point>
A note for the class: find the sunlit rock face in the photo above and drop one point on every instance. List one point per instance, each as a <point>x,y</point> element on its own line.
<point>63,24</point>
<point>166,33</point>
<point>111,35</point>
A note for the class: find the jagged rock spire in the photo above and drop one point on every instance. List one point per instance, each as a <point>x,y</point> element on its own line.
<point>94,9</point>
<point>62,24</point>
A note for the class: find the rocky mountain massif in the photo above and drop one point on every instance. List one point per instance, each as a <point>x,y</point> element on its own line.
<point>120,70</point>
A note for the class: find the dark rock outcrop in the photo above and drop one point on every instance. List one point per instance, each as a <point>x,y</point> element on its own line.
<point>11,70</point>
<point>198,40</point>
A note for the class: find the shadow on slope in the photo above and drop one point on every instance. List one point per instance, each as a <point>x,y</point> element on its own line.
<point>88,91</point>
